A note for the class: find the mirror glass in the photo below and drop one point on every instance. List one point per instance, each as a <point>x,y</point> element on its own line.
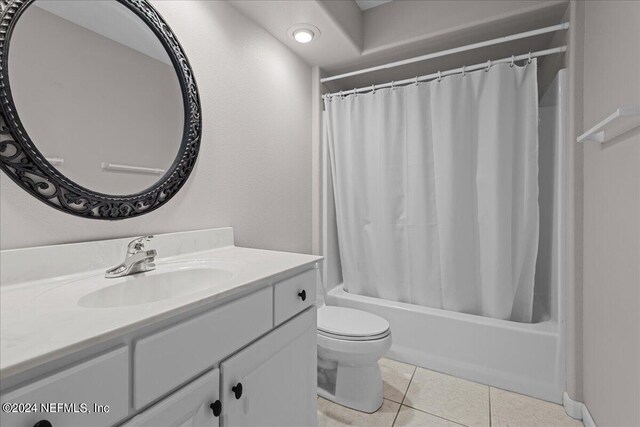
<point>97,93</point>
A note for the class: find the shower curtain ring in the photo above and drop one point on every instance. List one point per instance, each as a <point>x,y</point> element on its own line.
<point>529,57</point>
<point>393,85</point>
<point>355,92</point>
<point>341,95</point>
<point>513,61</point>
<point>439,76</point>
<point>416,82</point>
<point>488,65</point>
<point>463,73</point>
<point>373,88</point>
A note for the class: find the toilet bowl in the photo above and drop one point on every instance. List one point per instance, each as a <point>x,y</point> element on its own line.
<point>350,343</point>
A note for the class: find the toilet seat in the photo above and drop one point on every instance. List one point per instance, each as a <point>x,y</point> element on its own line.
<point>349,324</point>
<point>350,338</point>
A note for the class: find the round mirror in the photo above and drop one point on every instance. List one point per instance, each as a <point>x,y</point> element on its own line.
<point>102,106</point>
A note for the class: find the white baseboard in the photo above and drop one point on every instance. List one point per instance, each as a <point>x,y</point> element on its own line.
<point>571,407</point>
<point>577,410</point>
<point>586,418</point>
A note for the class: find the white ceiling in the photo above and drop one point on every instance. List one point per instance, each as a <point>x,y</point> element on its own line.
<point>334,45</point>
<point>352,38</point>
<point>368,4</point>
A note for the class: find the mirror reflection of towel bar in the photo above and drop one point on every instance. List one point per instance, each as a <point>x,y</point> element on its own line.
<point>131,169</point>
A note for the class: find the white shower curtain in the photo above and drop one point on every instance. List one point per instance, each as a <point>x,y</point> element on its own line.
<point>436,191</point>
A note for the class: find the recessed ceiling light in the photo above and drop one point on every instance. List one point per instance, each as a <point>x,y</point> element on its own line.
<point>303,36</point>
<point>303,33</point>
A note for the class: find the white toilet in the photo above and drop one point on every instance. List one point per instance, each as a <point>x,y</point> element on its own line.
<point>350,343</point>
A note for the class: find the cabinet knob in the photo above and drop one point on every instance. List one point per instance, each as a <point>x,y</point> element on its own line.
<point>216,408</point>
<point>302,294</point>
<point>237,390</point>
<point>43,423</point>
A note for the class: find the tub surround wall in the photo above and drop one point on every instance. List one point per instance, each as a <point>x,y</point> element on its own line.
<point>253,168</point>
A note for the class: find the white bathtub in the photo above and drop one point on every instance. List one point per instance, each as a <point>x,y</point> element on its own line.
<point>522,357</point>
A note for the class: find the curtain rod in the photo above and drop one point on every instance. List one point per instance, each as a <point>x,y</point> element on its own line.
<point>439,74</point>
<point>551,29</point>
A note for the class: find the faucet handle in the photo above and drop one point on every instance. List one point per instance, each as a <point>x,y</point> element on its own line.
<point>137,245</point>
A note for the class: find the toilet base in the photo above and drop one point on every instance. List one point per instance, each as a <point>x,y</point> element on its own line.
<point>356,387</point>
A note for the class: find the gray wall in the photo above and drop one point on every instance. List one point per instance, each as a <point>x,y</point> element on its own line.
<point>611,287</point>
<point>253,172</point>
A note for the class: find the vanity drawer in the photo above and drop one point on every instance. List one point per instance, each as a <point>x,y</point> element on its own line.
<point>103,380</point>
<point>293,295</point>
<point>167,359</point>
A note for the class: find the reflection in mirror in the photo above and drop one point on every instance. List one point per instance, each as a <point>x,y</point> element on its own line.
<point>97,93</point>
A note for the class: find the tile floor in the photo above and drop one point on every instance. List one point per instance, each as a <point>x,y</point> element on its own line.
<point>419,397</point>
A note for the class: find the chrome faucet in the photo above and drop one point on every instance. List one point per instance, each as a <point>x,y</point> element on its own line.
<point>137,260</point>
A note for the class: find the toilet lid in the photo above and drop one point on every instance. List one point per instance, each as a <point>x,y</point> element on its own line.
<point>349,322</point>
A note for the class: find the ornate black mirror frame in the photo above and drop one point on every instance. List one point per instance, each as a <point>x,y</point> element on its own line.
<point>21,160</point>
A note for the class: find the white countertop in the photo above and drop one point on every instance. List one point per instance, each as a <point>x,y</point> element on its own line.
<point>41,321</point>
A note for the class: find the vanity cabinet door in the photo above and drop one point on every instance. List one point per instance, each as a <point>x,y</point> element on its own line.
<point>273,381</point>
<point>195,405</point>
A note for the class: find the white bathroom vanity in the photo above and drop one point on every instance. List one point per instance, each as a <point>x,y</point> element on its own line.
<point>216,335</point>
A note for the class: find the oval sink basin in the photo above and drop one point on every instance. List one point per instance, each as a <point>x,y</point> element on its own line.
<point>153,286</point>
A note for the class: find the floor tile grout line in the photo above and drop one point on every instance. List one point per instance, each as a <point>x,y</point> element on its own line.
<point>429,413</point>
<point>415,368</point>
<point>490,416</point>
<point>437,416</point>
